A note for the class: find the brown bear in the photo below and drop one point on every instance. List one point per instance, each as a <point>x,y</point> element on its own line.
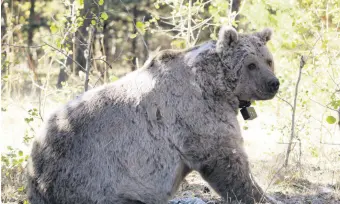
<point>133,141</point>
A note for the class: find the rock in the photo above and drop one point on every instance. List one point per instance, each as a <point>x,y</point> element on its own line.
<point>206,189</point>
<point>187,201</point>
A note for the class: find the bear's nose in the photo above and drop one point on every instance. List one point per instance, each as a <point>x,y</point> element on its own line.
<point>273,85</point>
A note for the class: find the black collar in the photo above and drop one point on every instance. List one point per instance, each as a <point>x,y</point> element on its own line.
<point>244,104</point>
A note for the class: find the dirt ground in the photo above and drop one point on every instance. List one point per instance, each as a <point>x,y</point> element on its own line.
<point>305,192</point>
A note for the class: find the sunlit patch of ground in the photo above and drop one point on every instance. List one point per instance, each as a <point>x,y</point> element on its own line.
<point>292,192</point>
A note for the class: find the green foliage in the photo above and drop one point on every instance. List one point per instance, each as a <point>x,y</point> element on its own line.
<point>179,44</point>
<point>331,119</point>
<point>54,29</point>
<point>80,3</point>
<point>141,27</point>
<point>101,2</point>
<point>13,164</point>
<point>132,36</point>
<point>156,5</point>
<point>113,78</point>
<point>13,158</point>
<point>314,152</point>
<point>335,102</point>
<point>32,113</point>
<point>104,16</point>
<point>79,22</point>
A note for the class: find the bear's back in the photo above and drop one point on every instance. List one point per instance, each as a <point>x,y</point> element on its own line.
<point>113,128</point>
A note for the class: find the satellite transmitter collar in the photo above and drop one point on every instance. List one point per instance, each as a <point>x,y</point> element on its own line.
<point>248,113</point>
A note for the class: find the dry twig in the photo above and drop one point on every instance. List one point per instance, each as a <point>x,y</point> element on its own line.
<point>87,54</point>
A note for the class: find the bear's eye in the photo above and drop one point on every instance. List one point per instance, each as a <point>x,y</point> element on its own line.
<point>270,63</point>
<point>251,66</point>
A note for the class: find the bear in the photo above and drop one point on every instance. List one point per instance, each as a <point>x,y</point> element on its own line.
<point>134,140</point>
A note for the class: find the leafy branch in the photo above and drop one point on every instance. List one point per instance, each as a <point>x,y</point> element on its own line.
<point>292,132</point>
<point>289,148</point>
<point>49,45</point>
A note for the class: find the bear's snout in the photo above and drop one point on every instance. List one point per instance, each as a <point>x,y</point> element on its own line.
<point>273,85</point>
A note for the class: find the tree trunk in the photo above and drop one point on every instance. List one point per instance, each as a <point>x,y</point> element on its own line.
<point>339,117</point>
<point>82,35</point>
<point>3,20</point>
<point>134,40</point>
<point>235,8</point>
<point>88,57</point>
<point>3,32</point>
<point>105,44</point>
<point>30,60</point>
<point>31,24</point>
<point>146,51</point>
<point>62,77</point>
<point>146,36</point>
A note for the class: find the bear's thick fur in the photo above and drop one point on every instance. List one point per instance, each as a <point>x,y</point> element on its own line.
<point>133,141</point>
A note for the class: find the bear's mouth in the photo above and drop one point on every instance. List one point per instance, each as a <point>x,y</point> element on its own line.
<point>264,95</point>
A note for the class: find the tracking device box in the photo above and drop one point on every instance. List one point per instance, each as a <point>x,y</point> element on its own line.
<point>248,113</point>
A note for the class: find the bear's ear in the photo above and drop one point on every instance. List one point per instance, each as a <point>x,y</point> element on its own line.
<point>265,35</point>
<point>226,37</point>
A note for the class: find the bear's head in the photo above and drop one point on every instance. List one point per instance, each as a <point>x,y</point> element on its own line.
<point>248,64</point>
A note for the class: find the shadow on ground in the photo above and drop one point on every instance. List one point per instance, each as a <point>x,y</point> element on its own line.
<point>194,190</point>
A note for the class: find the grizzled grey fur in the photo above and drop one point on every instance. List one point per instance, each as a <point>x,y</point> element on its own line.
<point>133,141</point>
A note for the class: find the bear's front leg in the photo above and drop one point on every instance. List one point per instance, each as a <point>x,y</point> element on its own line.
<point>229,174</point>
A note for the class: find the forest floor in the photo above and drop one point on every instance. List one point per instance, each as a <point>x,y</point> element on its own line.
<point>298,192</point>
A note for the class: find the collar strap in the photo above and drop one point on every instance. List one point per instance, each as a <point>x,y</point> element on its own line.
<point>244,104</point>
